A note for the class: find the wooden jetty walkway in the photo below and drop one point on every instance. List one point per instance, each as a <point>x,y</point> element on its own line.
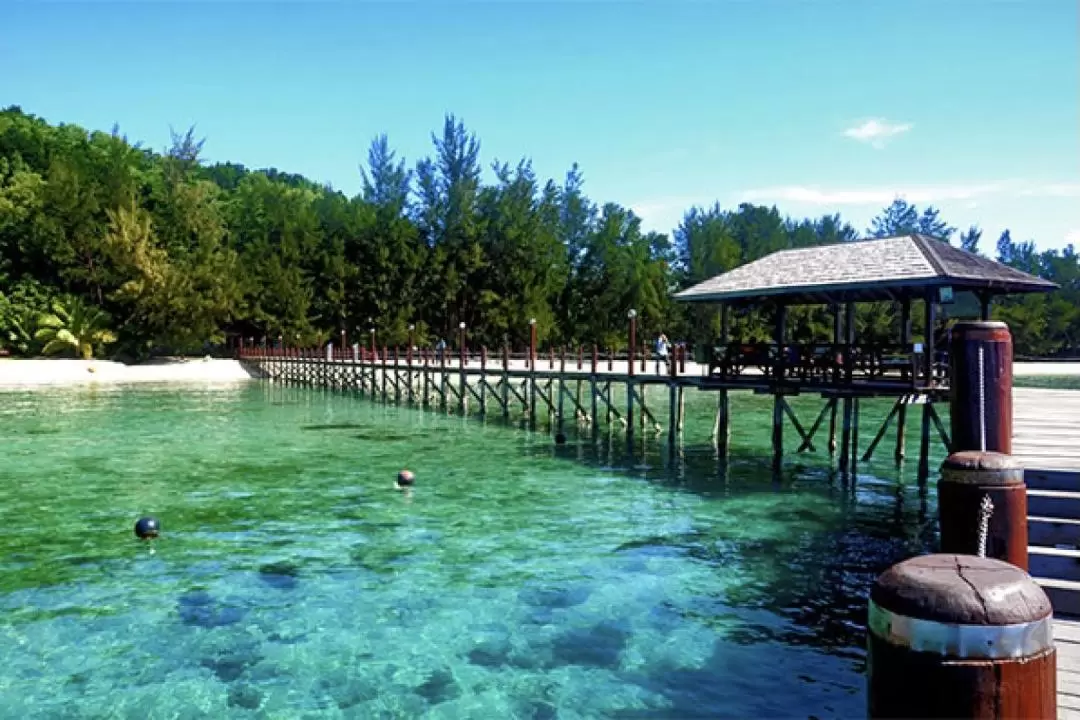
<point>1067,640</point>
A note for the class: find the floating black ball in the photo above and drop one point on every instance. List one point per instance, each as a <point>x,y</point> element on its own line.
<point>405,478</point>
<point>560,439</point>
<point>147,528</point>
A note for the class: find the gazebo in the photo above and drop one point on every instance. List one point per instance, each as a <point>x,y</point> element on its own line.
<point>900,270</point>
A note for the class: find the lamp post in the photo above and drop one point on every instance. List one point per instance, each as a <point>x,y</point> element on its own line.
<point>408,352</point>
<point>532,343</point>
<point>461,344</point>
<point>632,314</point>
<point>374,352</point>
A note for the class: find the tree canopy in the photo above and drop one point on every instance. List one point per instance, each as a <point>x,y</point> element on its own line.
<point>171,254</point>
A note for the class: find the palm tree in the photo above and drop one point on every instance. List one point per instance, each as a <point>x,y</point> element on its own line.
<point>73,325</point>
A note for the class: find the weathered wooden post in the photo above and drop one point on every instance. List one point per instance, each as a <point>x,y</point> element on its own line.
<point>595,407</point>
<point>409,364</point>
<point>673,402</point>
<point>483,381</point>
<point>462,362</point>
<point>397,374</point>
<point>506,380</point>
<point>930,322</point>
<point>779,372</point>
<point>632,315</point>
<point>981,377</point>
<point>901,410</point>
<point>385,373</point>
<point>561,390</point>
<point>532,372</point>
<point>982,506</point>
<point>956,636</point>
<point>722,426</point>
<point>848,367</point>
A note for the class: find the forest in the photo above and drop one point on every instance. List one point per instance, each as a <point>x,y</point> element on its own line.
<point>111,249</point>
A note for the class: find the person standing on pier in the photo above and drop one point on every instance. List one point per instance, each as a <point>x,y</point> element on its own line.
<point>440,349</point>
<point>662,345</point>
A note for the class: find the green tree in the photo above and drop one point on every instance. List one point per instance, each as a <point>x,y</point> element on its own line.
<point>73,326</point>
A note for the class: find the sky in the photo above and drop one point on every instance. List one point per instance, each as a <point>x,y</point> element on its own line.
<point>816,106</point>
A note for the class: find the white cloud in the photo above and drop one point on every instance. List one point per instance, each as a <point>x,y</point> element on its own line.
<point>1066,190</point>
<point>876,132</point>
<point>812,195</point>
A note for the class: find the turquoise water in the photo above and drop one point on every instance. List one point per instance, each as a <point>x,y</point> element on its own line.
<point>518,580</point>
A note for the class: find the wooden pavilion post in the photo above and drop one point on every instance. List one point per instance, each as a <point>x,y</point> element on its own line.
<point>901,410</point>
<point>928,378</point>
<point>780,335</point>
<point>722,427</point>
<point>849,366</point>
<point>836,340</point>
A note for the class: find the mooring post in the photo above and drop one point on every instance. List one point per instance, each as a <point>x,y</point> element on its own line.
<point>982,506</point>
<point>958,636</point>
<point>981,380</point>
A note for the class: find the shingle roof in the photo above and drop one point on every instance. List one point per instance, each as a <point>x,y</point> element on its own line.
<point>864,270</point>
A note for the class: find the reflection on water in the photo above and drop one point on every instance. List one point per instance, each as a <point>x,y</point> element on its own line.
<point>523,579</point>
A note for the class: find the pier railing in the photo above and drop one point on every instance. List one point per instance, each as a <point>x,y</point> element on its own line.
<point>589,360</point>
<point>828,364</point>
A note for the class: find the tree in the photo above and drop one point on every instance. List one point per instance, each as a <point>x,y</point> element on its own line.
<point>970,240</point>
<point>180,253</point>
<point>73,326</point>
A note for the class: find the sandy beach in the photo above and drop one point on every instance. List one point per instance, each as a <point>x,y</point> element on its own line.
<point>52,373</point>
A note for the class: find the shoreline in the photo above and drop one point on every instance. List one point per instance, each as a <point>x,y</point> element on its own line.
<point>30,373</point>
<point>52,373</point>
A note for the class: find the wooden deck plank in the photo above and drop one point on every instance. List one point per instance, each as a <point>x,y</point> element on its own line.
<point>1046,429</point>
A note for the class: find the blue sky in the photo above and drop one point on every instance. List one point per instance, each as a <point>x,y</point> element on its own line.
<point>817,106</point>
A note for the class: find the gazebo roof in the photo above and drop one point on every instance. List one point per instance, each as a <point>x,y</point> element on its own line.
<point>862,271</point>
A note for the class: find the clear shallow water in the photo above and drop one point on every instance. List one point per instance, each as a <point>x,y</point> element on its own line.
<point>519,579</point>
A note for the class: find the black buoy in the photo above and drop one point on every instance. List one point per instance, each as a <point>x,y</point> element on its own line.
<point>560,439</point>
<point>405,479</point>
<point>147,528</point>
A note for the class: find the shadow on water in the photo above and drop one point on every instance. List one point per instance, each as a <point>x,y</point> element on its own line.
<point>817,576</point>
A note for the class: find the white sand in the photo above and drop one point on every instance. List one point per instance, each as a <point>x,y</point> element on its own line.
<point>1045,369</point>
<point>33,373</point>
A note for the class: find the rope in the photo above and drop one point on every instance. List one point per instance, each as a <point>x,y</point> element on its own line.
<point>986,509</point>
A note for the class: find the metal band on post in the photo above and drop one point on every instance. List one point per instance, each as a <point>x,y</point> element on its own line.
<point>959,636</point>
<point>966,642</point>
